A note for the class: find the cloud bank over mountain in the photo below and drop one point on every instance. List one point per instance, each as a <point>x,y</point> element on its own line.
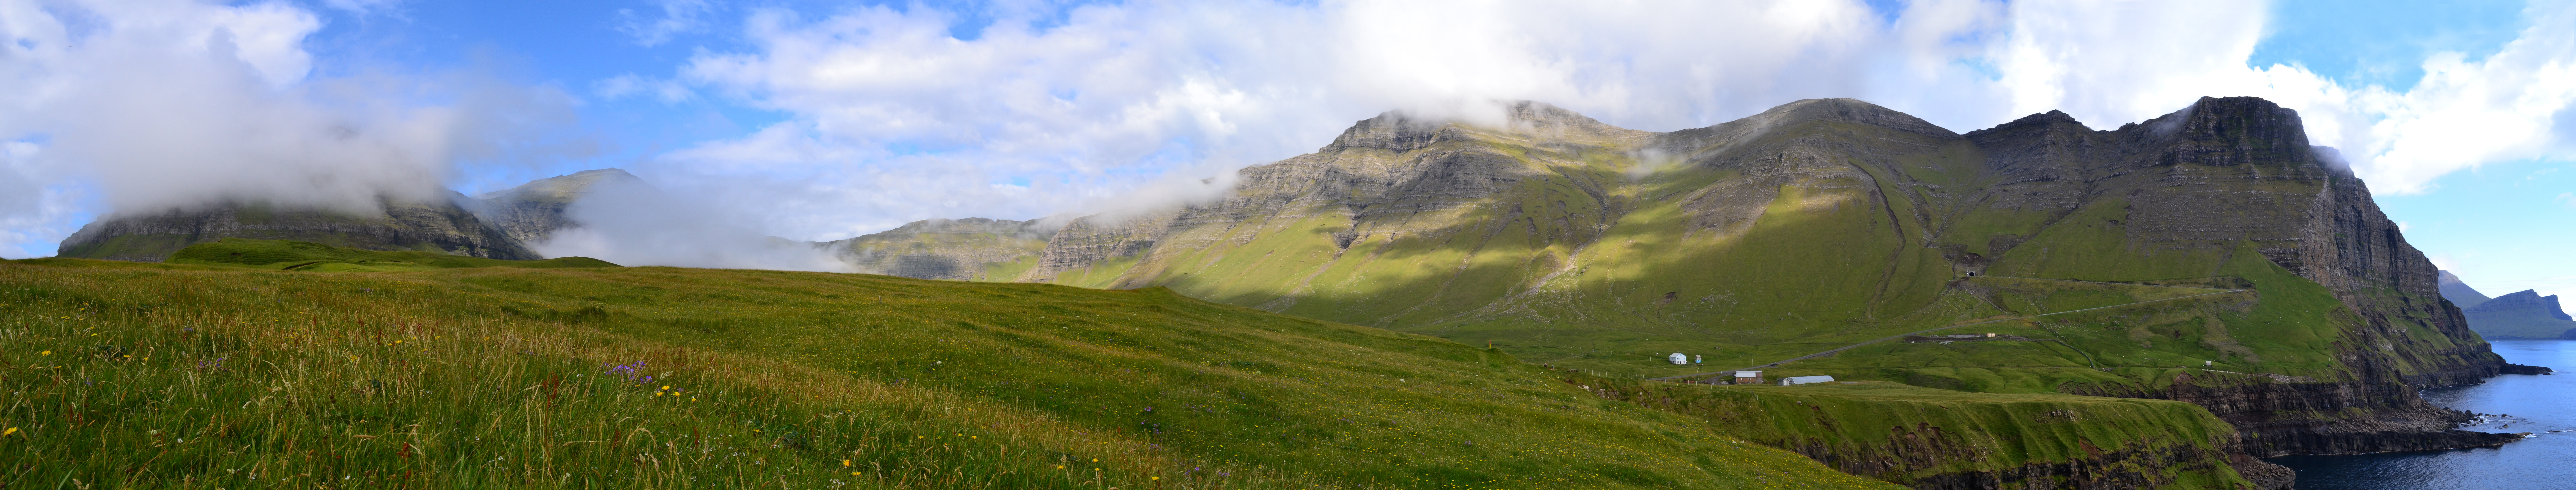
<point>889,114</point>
<point>152,104</point>
<point>895,115</point>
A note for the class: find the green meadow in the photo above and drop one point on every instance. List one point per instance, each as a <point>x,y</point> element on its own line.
<point>205,373</point>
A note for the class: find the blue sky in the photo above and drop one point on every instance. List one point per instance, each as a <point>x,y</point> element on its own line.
<point>822,120</point>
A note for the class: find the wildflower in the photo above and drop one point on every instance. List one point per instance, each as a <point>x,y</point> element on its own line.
<point>12,430</point>
<point>845,463</point>
<point>45,353</point>
<point>854,473</point>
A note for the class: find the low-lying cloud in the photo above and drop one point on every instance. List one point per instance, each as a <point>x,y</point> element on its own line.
<point>896,117</point>
<point>894,114</point>
<point>636,224</point>
<point>157,104</point>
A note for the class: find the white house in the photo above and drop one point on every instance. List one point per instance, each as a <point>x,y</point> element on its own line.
<point>1678,358</point>
<point>1799,380</point>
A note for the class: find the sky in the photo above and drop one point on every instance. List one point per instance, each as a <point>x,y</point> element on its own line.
<point>825,120</point>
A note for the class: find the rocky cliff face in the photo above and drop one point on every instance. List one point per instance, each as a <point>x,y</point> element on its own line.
<point>1825,220</point>
<point>499,226</point>
<point>432,226</point>
<point>971,249</point>
<point>530,213</point>
<point>2521,315</point>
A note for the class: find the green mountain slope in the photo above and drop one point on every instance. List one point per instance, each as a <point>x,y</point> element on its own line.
<point>2521,315</point>
<point>156,375</point>
<point>2460,293</point>
<point>1827,223</point>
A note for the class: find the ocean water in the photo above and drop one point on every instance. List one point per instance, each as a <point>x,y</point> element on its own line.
<point>2523,403</point>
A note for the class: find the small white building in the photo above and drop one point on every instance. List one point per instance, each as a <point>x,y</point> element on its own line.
<point>1799,380</point>
<point>1748,377</point>
<point>1678,358</point>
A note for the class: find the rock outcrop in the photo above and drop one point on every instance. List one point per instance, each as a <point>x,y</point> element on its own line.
<point>971,249</point>
<point>2521,315</point>
<point>441,226</point>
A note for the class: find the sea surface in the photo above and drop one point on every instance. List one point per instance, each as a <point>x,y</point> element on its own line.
<point>2522,403</point>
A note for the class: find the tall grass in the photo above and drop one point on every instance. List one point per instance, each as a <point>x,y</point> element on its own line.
<point>161,377</point>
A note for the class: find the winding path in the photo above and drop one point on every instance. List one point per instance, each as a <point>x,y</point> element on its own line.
<point>1924,331</point>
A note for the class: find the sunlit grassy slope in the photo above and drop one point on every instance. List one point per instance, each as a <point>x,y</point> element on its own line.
<point>1933,438</point>
<point>1594,258</point>
<point>189,376</point>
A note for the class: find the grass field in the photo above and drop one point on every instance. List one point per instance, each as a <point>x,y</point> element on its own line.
<point>315,257</point>
<point>203,376</point>
<point>1951,439</point>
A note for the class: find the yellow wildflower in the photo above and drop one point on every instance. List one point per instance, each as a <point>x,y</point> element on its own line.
<point>845,462</point>
<point>45,353</point>
<point>12,430</point>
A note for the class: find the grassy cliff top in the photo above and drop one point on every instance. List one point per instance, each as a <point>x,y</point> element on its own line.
<point>309,256</point>
<point>151,375</point>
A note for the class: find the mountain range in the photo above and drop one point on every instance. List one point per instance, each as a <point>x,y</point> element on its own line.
<point>2210,255</point>
<point>499,225</point>
<point>2520,315</point>
<point>1826,222</point>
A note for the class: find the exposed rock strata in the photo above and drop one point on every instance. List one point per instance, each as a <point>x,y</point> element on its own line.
<point>499,226</point>
<point>2240,170</point>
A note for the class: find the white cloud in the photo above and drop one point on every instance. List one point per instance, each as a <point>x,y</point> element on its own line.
<point>638,225</point>
<point>362,7</point>
<point>630,85</point>
<point>2445,262</point>
<point>674,17</point>
<point>893,119</point>
<point>161,103</point>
